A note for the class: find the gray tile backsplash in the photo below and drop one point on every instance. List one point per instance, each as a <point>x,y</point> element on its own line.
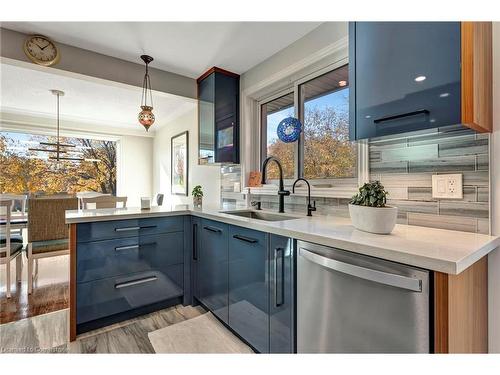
<point>405,166</point>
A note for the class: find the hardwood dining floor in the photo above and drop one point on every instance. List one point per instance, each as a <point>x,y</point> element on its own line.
<point>50,290</point>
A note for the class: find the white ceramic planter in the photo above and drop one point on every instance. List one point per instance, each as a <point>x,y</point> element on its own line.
<point>379,220</point>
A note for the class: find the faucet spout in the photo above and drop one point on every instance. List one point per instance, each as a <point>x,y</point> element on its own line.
<point>310,208</point>
<point>281,190</point>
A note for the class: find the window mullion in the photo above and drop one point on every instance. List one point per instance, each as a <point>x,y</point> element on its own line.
<point>299,146</point>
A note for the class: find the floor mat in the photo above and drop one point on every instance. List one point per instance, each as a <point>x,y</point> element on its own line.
<point>203,334</point>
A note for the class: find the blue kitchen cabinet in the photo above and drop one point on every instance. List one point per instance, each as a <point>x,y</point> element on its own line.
<point>125,268</point>
<point>403,76</point>
<point>212,268</point>
<point>281,286</point>
<point>248,286</point>
<point>218,116</point>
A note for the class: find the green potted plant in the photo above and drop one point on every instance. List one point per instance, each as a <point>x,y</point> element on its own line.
<point>197,196</point>
<point>369,212</point>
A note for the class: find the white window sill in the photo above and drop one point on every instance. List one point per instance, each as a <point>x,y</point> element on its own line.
<point>328,192</point>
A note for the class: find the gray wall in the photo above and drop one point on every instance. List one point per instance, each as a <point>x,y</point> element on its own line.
<point>94,64</point>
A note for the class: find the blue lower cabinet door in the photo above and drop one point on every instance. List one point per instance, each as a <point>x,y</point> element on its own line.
<point>212,277</point>
<point>281,289</point>
<point>248,286</point>
<point>102,298</point>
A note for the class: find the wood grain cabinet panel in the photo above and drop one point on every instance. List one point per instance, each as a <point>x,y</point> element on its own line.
<point>477,76</point>
<point>461,310</point>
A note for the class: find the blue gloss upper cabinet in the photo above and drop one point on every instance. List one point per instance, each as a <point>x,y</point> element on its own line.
<point>407,76</point>
<point>404,76</point>
<point>218,119</point>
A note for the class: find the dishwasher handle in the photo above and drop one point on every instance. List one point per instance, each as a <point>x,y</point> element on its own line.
<point>380,277</point>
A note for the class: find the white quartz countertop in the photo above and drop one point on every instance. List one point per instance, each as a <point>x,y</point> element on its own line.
<point>434,249</point>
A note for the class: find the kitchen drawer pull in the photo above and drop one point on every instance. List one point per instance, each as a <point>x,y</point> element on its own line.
<point>120,248</point>
<point>212,229</point>
<point>126,229</point>
<point>245,239</point>
<point>401,115</point>
<point>131,247</point>
<point>380,277</point>
<point>136,282</point>
<point>279,277</point>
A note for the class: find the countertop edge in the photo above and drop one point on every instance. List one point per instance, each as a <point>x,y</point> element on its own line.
<point>424,262</point>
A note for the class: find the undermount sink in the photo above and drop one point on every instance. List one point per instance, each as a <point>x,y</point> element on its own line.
<point>260,215</point>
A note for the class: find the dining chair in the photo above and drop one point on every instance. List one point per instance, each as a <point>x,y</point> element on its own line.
<point>19,216</point>
<point>103,201</point>
<point>48,233</point>
<point>11,245</point>
<point>87,194</point>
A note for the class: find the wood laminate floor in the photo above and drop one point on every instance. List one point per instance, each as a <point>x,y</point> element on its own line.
<point>48,333</point>
<point>50,291</point>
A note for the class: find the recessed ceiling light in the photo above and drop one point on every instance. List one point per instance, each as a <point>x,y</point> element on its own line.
<point>432,120</point>
<point>368,116</point>
<point>342,83</point>
<point>444,94</point>
<point>420,78</point>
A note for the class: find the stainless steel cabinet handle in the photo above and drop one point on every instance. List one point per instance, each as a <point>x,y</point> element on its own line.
<point>126,229</point>
<point>279,277</point>
<point>380,277</point>
<point>130,247</point>
<point>245,239</point>
<point>136,282</point>
<point>120,248</point>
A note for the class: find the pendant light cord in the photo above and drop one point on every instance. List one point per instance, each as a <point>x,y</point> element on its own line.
<point>146,85</point>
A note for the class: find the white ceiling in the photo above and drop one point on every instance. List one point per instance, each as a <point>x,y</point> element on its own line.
<point>187,48</point>
<point>26,91</point>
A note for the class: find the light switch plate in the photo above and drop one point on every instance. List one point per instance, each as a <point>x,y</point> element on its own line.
<point>447,186</point>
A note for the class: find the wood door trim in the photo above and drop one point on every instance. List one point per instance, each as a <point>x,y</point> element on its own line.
<point>440,312</point>
<point>218,70</point>
<point>72,282</point>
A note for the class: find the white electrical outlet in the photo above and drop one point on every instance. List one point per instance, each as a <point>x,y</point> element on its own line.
<point>447,186</point>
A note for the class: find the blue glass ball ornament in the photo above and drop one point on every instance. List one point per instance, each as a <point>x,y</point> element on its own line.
<point>289,129</point>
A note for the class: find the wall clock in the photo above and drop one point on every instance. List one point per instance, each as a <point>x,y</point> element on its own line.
<point>41,50</point>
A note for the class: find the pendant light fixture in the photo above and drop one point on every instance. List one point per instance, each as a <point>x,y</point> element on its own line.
<point>58,150</point>
<point>146,116</point>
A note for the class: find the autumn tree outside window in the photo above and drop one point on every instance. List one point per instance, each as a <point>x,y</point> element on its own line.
<point>323,152</point>
<point>24,171</point>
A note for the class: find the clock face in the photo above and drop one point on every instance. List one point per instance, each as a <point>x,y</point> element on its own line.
<point>41,50</point>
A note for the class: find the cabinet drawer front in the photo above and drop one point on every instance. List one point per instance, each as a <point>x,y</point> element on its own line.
<point>128,228</point>
<point>106,297</point>
<point>108,258</point>
<point>248,286</point>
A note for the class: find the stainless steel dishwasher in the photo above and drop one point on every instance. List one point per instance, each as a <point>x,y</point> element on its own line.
<point>350,303</point>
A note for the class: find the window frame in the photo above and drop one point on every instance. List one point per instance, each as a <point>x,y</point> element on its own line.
<point>294,87</point>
